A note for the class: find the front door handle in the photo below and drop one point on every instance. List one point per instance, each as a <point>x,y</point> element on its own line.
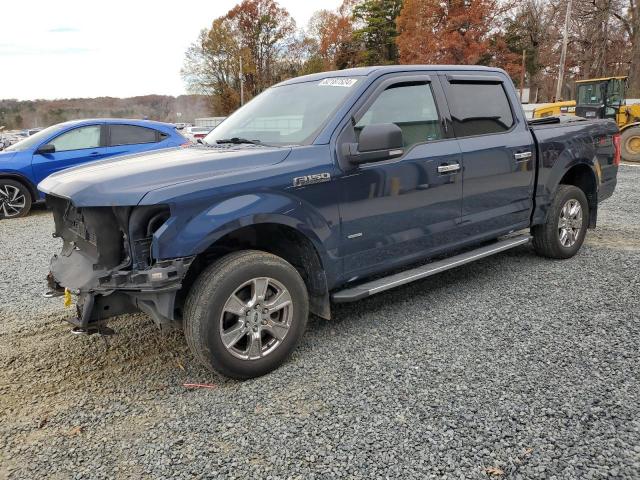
<point>522,156</point>
<point>453,168</point>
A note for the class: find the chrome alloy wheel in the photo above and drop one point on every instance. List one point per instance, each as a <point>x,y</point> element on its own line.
<point>12,200</point>
<point>256,318</point>
<point>570,223</point>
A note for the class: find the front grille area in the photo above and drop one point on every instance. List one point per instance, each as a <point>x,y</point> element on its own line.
<point>142,249</point>
<point>74,221</point>
<point>93,230</point>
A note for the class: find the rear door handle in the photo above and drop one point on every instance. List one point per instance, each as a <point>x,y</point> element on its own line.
<point>522,156</point>
<point>453,168</point>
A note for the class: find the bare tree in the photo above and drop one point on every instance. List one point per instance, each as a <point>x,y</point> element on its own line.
<point>630,19</point>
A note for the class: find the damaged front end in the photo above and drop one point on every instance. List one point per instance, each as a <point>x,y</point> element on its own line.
<point>106,260</point>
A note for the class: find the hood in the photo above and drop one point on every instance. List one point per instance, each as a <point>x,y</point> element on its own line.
<point>125,180</point>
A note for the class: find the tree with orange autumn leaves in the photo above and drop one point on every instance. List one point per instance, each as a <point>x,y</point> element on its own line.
<point>604,40</point>
<point>459,32</point>
<point>332,32</point>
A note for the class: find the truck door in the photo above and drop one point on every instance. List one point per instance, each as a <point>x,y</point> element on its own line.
<point>498,153</point>
<point>397,211</point>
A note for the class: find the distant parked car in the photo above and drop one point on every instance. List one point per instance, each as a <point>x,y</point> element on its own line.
<point>9,138</point>
<point>196,133</point>
<point>26,163</point>
<point>5,142</point>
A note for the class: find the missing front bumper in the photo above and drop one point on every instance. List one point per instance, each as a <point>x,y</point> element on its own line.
<point>105,261</point>
<point>107,294</point>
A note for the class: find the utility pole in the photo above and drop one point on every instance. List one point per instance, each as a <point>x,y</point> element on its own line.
<point>563,55</point>
<point>524,52</point>
<point>241,83</point>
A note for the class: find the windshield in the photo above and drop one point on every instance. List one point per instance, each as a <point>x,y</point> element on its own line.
<point>35,139</point>
<point>286,115</point>
<point>590,94</point>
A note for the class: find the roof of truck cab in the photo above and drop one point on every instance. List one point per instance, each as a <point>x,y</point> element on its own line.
<point>383,69</point>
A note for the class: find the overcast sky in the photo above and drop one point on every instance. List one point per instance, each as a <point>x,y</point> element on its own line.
<point>120,48</point>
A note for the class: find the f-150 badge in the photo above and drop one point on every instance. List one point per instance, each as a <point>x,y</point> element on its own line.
<point>311,179</point>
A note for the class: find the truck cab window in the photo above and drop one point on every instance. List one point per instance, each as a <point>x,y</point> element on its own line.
<point>479,108</point>
<point>411,107</point>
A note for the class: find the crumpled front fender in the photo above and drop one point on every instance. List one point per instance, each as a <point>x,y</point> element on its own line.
<point>186,235</point>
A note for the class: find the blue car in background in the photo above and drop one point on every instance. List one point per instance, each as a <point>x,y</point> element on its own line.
<point>28,162</point>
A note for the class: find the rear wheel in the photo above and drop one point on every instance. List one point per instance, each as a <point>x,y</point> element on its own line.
<point>15,199</point>
<point>563,233</point>
<point>630,143</point>
<point>246,313</point>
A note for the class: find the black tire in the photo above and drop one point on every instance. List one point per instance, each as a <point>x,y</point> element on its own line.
<point>546,237</point>
<point>8,202</point>
<point>204,321</point>
<point>630,144</point>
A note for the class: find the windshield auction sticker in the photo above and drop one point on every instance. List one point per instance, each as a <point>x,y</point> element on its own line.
<point>338,82</point>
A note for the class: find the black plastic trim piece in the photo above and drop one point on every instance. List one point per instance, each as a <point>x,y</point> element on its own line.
<point>474,79</point>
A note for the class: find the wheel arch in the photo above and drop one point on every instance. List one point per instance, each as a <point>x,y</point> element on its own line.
<point>25,181</point>
<point>281,237</point>
<point>582,175</point>
<point>629,125</point>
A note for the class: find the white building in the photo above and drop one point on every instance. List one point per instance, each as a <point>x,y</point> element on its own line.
<point>208,121</point>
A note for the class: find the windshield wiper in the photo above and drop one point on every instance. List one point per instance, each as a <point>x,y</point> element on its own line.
<point>238,141</point>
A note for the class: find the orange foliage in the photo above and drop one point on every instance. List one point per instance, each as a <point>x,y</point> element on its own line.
<point>452,32</point>
<point>333,31</point>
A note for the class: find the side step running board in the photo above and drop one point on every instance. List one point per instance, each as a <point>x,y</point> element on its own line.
<point>381,284</point>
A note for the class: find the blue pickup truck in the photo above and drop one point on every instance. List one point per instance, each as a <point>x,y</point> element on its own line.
<point>325,188</point>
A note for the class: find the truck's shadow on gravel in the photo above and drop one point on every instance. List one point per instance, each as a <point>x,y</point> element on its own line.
<point>163,356</point>
<point>141,355</point>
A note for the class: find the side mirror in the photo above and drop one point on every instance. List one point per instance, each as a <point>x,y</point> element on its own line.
<point>377,142</point>
<point>46,148</point>
<point>199,141</point>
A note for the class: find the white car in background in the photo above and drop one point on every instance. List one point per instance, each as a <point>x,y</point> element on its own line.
<point>8,138</point>
<point>196,133</point>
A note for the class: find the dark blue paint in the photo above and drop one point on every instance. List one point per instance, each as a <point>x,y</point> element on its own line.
<point>404,209</point>
<point>31,167</point>
<point>578,145</point>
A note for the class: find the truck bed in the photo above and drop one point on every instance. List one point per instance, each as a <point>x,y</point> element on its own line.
<point>564,141</point>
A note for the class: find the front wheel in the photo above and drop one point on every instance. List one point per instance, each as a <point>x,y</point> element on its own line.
<point>246,313</point>
<point>562,235</point>
<point>15,199</point>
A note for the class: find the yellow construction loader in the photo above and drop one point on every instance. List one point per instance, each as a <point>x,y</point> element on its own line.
<point>603,98</point>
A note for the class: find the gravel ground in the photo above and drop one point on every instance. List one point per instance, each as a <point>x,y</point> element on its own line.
<point>512,367</point>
